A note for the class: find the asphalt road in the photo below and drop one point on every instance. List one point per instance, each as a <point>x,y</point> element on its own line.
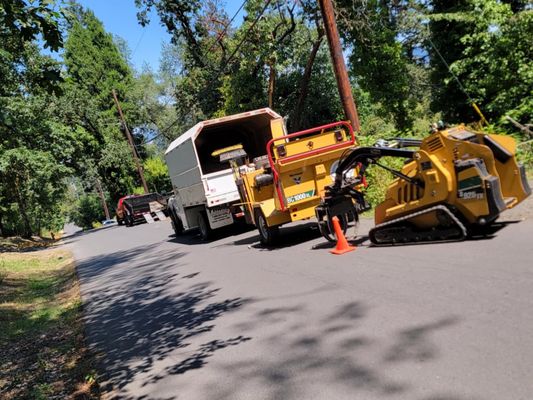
<point>175,318</point>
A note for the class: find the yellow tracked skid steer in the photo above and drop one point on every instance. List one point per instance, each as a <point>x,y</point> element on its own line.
<point>455,182</point>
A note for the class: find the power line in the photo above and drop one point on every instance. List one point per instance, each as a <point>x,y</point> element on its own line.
<point>472,102</point>
<point>138,42</point>
<point>223,33</point>
<point>221,70</point>
<point>252,26</point>
<point>449,69</point>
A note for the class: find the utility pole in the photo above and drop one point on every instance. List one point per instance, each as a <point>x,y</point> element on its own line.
<point>102,198</point>
<point>132,146</point>
<point>343,83</point>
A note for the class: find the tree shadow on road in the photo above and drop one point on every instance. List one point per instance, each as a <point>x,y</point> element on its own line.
<point>332,354</point>
<point>137,313</point>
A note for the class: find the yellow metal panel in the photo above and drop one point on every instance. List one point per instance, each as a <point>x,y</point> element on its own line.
<point>277,128</point>
<point>509,173</point>
<point>303,211</point>
<point>320,170</point>
<point>272,215</point>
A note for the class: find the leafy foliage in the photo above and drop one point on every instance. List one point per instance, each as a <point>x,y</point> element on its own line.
<point>487,44</point>
<point>156,173</point>
<point>34,178</point>
<point>95,67</point>
<point>88,210</point>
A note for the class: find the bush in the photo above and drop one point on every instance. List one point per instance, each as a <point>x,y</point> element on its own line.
<point>87,211</point>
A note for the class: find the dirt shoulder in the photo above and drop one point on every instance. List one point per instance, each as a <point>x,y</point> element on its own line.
<point>42,346</point>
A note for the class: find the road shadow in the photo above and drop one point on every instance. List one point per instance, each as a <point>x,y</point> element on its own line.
<point>490,232</point>
<point>192,236</point>
<point>289,236</point>
<point>138,311</point>
<point>413,344</point>
<point>335,351</point>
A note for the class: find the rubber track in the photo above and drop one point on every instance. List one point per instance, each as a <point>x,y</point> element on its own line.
<point>458,223</point>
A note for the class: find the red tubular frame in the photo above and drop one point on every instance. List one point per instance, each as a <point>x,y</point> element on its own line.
<point>307,153</point>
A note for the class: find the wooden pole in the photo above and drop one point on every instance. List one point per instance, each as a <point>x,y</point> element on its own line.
<point>132,146</point>
<point>343,83</point>
<point>102,198</point>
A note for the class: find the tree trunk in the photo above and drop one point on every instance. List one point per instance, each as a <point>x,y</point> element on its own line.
<point>22,209</point>
<point>271,84</point>
<point>2,232</point>
<point>102,198</point>
<point>304,84</point>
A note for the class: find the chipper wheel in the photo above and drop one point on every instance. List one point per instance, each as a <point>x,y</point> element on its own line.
<point>267,234</point>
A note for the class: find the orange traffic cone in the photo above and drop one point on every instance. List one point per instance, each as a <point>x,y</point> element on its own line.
<point>342,244</point>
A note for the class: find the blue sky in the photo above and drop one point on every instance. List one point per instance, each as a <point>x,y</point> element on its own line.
<point>119,17</point>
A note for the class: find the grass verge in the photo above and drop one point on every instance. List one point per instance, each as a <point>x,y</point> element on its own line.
<point>42,348</point>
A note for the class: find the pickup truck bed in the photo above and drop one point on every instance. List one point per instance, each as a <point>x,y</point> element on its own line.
<point>135,207</point>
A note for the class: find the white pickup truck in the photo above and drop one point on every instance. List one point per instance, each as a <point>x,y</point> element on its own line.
<point>205,193</point>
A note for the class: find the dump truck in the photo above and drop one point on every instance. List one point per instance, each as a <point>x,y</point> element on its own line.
<point>140,208</point>
<point>205,194</point>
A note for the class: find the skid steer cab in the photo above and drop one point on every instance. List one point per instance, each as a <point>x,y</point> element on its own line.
<point>289,181</point>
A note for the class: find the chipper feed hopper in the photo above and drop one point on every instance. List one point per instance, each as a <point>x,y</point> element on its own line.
<point>454,182</point>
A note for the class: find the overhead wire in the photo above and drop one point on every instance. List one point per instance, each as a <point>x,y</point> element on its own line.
<point>229,59</point>
<point>463,89</point>
<point>138,42</point>
<point>223,33</point>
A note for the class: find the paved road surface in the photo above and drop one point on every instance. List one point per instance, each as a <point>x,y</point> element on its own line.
<point>175,318</point>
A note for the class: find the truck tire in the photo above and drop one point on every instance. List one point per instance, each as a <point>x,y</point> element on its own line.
<point>203,226</point>
<point>120,221</point>
<point>268,235</point>
<point>177,225</point>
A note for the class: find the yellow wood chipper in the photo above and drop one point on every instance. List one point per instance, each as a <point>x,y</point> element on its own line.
<point>289,182</point>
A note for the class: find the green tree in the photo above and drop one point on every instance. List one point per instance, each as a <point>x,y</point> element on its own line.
<point>35,149</point>
<point>156,174</point>
<point>21,24</point>
<point>155,98</point>
<point>487,46</point>
<point>88,211</point>
<point>382,60</point>
<point>282,64</point>
<point>95,67</point>
<point>268,60</point>
<point>448,26</point>
<point>35,190</point>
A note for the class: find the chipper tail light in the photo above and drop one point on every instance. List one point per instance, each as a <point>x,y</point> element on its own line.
<point>339,137</point>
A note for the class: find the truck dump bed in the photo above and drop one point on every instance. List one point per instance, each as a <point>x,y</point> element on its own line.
<point>198,177</point>
<point>137,206</point>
